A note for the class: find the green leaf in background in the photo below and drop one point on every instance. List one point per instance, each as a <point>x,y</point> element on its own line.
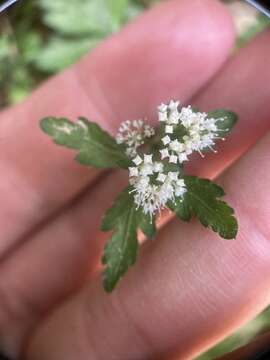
<point>117,10</point>
<point>261,23</point>
<point>229,119</point>
<point>5,47</point>
<point>202,200</point>
<point>240,338</point>
<point>83,17</point>
<point>47,36</point>
<point>95,146</point>
<point>60,53</point>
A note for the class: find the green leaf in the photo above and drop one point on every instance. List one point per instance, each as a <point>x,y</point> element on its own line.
<point>260,23</point>
<point>83,17</point>
<point>118,209</point>
<point>180,208</point>
<point>124,201</point>
<point>60,52</point>
<point>229,119</point>
<point>117,11</point>
<point>95,146</point>
<point>202,200</point>
<point>147,224</point>
<point>121,251</point>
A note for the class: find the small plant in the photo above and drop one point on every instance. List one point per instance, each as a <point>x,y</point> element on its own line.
<point>154,159</point>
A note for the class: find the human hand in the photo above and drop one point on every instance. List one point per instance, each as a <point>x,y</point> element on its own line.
<point>189,289</point>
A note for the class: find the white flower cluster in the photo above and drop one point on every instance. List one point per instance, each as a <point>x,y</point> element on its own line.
<point>133,134</point>
<point>186,131</point>
<point>153,187</point>
<point>200,132</point>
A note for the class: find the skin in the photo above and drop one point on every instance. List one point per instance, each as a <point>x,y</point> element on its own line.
<point>189,288</point>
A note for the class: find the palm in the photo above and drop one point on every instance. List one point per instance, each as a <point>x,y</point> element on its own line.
<point>198,287</point>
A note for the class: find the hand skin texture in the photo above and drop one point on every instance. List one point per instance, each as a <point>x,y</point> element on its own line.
<point>189,288</point>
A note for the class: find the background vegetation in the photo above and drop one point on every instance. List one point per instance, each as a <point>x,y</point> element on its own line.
<point>41,37</point>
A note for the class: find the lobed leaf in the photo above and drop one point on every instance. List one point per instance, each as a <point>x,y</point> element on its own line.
<point>123,202</point>
<point>146,223</point>
<point>121,251</point>
<point>95,146</point>
<point>202,200</point>
<point>229,119</point>
<point>180,207</point>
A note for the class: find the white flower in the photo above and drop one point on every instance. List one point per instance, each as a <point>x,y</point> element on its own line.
<point>164,153</point>
<point>147,169</point>
<point>162,112</point>
<point>161,177</point>
<point>152,187</point>
<point>182,157</point>
<point>173,105</point>
<point>133,134</point>
<point>169,113</point>
<point>186,131</point>
<point>173,159</point>
<point>158,167</point>
<point>180,183</point>
<point>176,146</point>
<point>166,140</point>
<point>180,191</point>
<point>133,171</point>
<point>201,132</point>
<point>173,117</point>
<point>162,116</point>
<point>137,160</point>
<point>173,176</point>
<point>148,159</point>
<point>148,131</point>
<point>162,108</point>
<point>169,129</point>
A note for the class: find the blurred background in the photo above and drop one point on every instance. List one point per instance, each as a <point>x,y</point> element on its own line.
<point>40,38</point>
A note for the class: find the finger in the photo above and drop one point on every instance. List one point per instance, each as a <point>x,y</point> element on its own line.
<point>169,28</point>
<point>125,77</point>
<point>89,211</point>
<point>92,205</point>
<point>234,88</point>
<point>188,290</point>
<point>51,266</point>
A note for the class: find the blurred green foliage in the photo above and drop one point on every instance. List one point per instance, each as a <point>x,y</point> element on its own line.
<point>78,26</point>
<point>41,37</point>
<point>240,338</point>
<point>258,26</point>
